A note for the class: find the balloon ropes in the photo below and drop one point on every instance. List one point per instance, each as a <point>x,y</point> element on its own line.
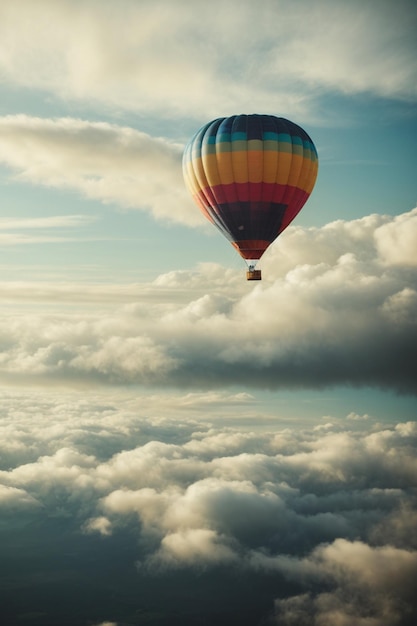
<point>250,175</point>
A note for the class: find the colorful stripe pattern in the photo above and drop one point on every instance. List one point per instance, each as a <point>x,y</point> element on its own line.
<point>250,175</point>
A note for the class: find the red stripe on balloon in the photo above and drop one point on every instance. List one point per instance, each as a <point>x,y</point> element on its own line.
<point>250,192</point>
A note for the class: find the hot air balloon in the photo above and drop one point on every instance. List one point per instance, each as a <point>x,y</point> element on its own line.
<point>250,175</point>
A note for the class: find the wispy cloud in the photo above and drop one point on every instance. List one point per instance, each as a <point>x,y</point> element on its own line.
<point>114,55</point>
<point>47,222</point>
<point>25,230</point>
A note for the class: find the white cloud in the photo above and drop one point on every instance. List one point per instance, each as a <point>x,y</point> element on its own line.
<point>397,240</point>
<point>348,319</point>
<point>98,524</point>
<point>102,161</point>
<point>198,546</point>
<point>117,55</point>
<point>171,60</point>
<point>356,417</point>
<point>121,359</point>
<point>352,48</point>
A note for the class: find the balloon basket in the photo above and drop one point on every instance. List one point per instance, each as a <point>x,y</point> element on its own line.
<point>254,275</point>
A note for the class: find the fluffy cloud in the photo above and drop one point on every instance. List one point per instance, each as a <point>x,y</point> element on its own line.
<point>101,161</point>
<point>397,240</point>
<point>367,585</point>
<point>114,54</point>
<point>332,311</point>
<point>250,489</point>
<point>329,511</point>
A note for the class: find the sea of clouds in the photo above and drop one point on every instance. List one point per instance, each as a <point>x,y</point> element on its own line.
<point>330,508</point>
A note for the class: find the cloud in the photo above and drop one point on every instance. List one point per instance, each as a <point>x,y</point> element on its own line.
<point>367,585</point>
<point>102,161</point>
<point>98,524</point>
<point>397,528</point>
<point>281,491</point>
<point>36,224</point>
<point>345,316</point>
<point>330,52</point>
<point>52,221</point>
<point>396,241</point>
<point>13,499</point>
<point>329,513</point>
<point>121,165</point>
<point>114,54</point>
<point>120,61</point>
<point>194,547</point>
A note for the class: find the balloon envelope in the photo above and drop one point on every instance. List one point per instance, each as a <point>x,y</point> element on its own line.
<point>250,175</point>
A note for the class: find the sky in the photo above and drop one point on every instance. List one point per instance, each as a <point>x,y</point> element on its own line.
<point>179,445</point>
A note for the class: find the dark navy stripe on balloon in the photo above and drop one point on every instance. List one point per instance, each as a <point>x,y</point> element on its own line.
<point>250,220</point>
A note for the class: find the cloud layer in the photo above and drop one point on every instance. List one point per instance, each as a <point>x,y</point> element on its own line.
<point>328,510</point>
<point>337,307</point>
<point>114,55</point>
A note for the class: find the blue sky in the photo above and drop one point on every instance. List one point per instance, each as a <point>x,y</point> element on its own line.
<point>126,320</point>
